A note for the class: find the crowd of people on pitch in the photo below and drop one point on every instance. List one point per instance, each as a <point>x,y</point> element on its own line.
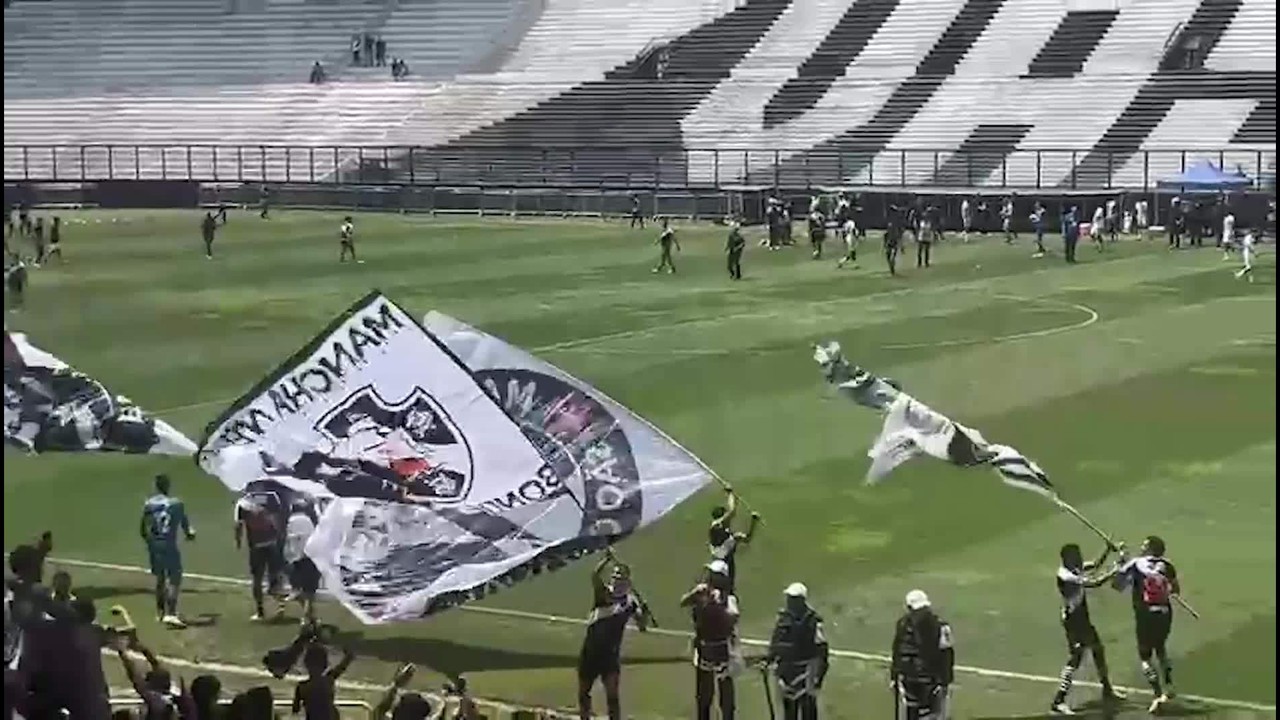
<point>21,229</point>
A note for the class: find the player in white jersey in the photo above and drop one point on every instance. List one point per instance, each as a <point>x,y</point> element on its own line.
<point>1096,228</point>
<point>1228,234</point>
<point>1247,252</point>
<point>966,219</point>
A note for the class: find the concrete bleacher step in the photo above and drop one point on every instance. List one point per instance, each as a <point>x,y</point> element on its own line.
<point>1071,44</point>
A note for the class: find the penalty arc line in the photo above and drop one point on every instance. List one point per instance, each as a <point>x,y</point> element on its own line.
<point>753,642</point>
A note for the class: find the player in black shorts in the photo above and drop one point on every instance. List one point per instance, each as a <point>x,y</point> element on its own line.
<point>259,522</point>
<point>666,241</point>
<point>1073,583</point>
<point>636,217</point>
<point>817,233</point>
<point>1153,582</point>
<point>893,239</point>
<point>723,541</point>
<point>55,240</point>
<point>208,228</point>
<point>613,605</point>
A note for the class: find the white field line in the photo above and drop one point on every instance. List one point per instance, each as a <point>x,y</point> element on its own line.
<point>753,642</point>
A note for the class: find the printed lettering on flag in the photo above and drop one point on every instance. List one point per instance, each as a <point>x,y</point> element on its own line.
<point>50,406</point>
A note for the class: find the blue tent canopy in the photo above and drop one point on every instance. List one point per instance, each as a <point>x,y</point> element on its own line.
<point>1204,177</point>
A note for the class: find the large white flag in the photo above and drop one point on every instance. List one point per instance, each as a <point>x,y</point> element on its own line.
<point>431,493</point>
<point>50,406</point>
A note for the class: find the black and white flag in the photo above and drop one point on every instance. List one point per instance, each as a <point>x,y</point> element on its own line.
<point>50,406</point>
<point>912,428</point>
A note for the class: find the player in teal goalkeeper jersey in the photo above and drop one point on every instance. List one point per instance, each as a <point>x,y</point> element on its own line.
<point>162,517</point>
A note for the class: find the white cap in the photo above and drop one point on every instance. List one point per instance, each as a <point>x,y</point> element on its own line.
<point>718,567</point>
<point>797,590</point>
<point>916,599</point>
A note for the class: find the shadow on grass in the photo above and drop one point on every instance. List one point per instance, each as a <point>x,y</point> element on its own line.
<point>98,593</point>
<point>453,659</point>
<point>1130,708</point>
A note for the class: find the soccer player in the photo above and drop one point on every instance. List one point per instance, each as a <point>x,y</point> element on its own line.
<point>259,524</point>
<point>636,217</point>
<point>1073,581</point>
<point>817,232</point>
<point>15,280</point>
<point>924,239</point>
<point>1097,227</point>
<point>37,239</point>
<point>1228,234</point>
<point>613,605</point>
<point>162,516</point>
<point>723,542</point>
<point>893,239</point>
<point>733,249</point>
<point>715,623</point>
<point>966,219</point>
<point>347,240</point>
<point>1153,582</point>
<point>265,197</point>
<point>1247,252</point>
<point>1037,223</point>
<point>1006,220</point>
<point>1070,233</point>
<point>1113,219</point>
<point>208,227</point>
<point>55,240</point>
<point>666,241</point>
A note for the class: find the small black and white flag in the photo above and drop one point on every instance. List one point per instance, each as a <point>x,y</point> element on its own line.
<point>912,428</point>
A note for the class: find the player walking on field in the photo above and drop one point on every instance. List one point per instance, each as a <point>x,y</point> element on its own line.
<point>666,241</point>
<point>162,516</point>
<point>347,240</point>
<point>1074,581</point>
<point>1153,582</point>
<point>1247,253</point>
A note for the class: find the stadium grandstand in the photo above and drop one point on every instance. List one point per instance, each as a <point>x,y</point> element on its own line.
<point>1017,93</point>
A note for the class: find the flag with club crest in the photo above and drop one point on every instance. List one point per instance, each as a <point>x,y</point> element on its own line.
<point>912,428</point>
<point>50,406</point>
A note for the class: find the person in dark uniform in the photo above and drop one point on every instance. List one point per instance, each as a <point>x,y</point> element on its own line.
<point>1070,233</point>
<point>55,240</point>
<point>15,280</point>
<point>24,219</point>
<point>613,605</point>
<point>1037,224</point>
<point>636,217</point>
<point>1177,223</point>
<point>715,621</point>
<point>855,214</point>
<point>923,663</point>
<point>208,226</point>
<point>817,233</point>
<point>798,649</point>
<point>1153,583</point>
<point>1073,582</point>
<point>723,542</point>
<point>893,238</point>
<point>37,239</point>
<point>666,241</point>
<point>733,248</point>
<point>265,199</point>
<point>260,520</point>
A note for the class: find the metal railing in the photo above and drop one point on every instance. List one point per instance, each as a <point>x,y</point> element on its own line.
<point>641,167</point>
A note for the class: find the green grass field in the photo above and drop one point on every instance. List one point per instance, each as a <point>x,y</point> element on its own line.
<point>1142,380</point>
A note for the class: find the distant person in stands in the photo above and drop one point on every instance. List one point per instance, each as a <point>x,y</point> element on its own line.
<point>317,74</point>
<point>380,52</point>
<point>355,49</point>
<point>208,227</point>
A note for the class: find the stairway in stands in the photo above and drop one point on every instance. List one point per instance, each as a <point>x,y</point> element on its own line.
<point>1157,97</point>
<point>1260,127</point>
<point>829,61</point>
<point>981,154</point>
<point>608,130</point>
<point>853,150</point>
<point>1071,44</point>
